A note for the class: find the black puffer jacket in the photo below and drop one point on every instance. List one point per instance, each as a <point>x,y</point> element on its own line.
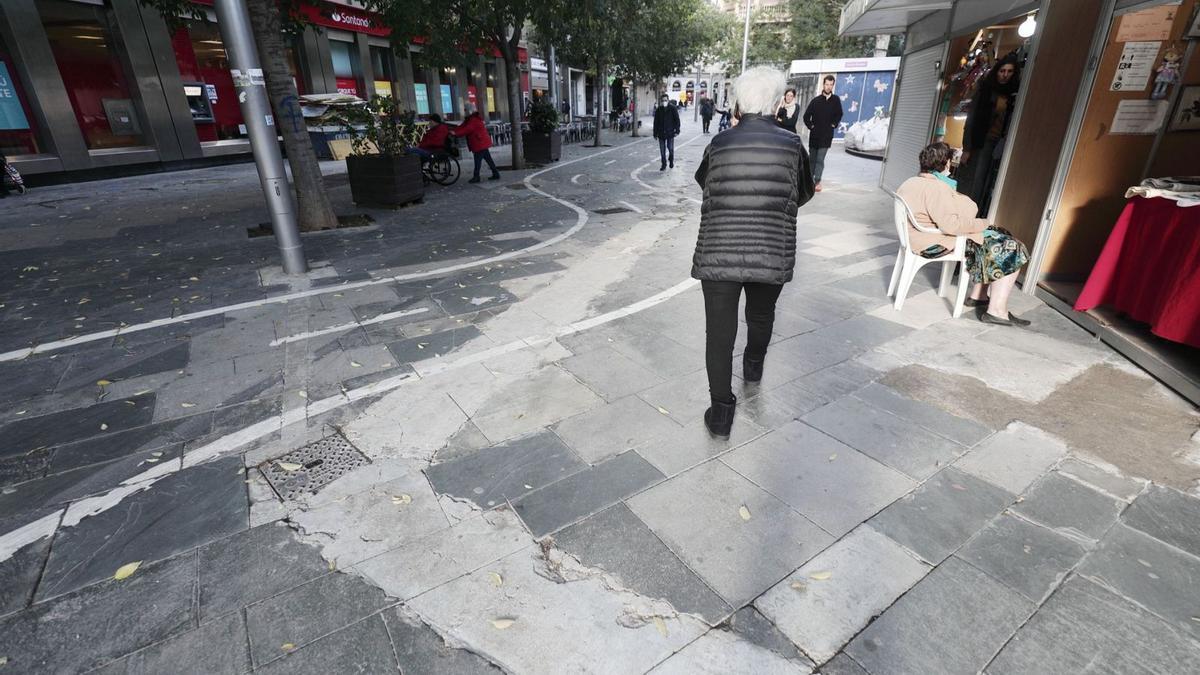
<point>755,177</point>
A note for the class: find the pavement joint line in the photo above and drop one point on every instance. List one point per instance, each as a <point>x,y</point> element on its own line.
<point>581,220</point>
<point>13,541</point>
<point>346,326</point>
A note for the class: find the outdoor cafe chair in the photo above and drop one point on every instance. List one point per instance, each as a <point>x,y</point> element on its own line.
<point>908,262</point>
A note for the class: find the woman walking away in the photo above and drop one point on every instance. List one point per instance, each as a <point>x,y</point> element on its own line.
<point>478,142</point>
<point>754,176</point>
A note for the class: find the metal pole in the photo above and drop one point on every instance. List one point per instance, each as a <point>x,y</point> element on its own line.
<point>234,21</point>
<point>696,95</point>
<point>746,37</point>
<point>552,65</point>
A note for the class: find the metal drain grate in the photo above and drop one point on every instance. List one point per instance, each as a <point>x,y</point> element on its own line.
<point>312,467</point>
<point>615,209</point>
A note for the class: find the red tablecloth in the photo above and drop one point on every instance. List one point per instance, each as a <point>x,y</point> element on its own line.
<point>1150,269</point>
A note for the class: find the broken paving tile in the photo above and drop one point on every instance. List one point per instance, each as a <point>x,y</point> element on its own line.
<point>422,651</point>
<point>507,471</point>
<point>586,492</point>
<point>219,645</point>
<point>252,565</point>
<point>469,299</point>
<point>62,427</point>
<point>1066,505</point>
<point>434,345</point>
<point>611,429</point>
<point>610,374</point>
<point>1167,515</point>
<point>750,624</point>
<point>1014,457</point>
<point>363,647</point>
<point>720,651</point>
<point>1030,559</point>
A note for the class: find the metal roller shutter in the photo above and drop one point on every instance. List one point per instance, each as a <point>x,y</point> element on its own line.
<point>912,114</point>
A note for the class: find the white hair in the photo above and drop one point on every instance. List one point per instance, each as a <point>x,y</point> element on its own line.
<point>759,90</point>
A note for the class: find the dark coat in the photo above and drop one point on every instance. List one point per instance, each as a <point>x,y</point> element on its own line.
<point>822,118</point>
<point>478,138</point>
<point>786,121</point>
<point>755,177</point>
<point>707,108</point>
<point>666,121</point>
<point>979,119</point>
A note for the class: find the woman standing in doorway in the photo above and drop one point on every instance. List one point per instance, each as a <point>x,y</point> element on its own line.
<point>986,129</point>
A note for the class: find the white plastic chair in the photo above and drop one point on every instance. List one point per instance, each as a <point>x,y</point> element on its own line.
<point>908,262</point>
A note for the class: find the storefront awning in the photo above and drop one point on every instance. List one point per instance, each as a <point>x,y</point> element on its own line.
<point>878,17</point>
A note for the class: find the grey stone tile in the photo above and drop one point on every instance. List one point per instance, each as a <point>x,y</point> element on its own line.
<point>826,304</point>
<point>27,379</point>
<point>608,430</point>
<point>769,410</point>
<point>863,332</point>
<point>721,651</point>
<point>308,612</point>
<point>751,625</point>
<point>141,439</point>
<point>465,441</point>
<point>1064,504</point>
<point>660,354</point>
<point>895,441</point>
<point>842,664</point>
<point>1167,515</point>
<point>121,364</point>
<point>422,651</point>
<point>941,515</point>
<point>363,647</point>
<point>838,380</point>
<point>100,623</point>
<point>432,346</point>
<point>1014,458</point>
<point>251,566</point>
<point>25,435</point>
<point>1103,479</point>
<point>1030,559</point>
<point>586,492</point>
<point>831,484</point>
<point>684,448</point>
<point>962,431</point>
<point>181,511</point>
<point>618,542</point>
<point>953,621</point>
<point>221,646</point>
<point>610,374</point>
<point>698,514</point>
<point>798,356</point>
<point>794,395</point>
<point>1156,576</point>
<point>1085,629</point>
<point>506,471</point>
<point>19,574</point>
<point>472,298</point>
<point>684,398</point>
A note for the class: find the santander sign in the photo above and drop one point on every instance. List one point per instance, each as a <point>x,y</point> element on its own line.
<point>351,20</point>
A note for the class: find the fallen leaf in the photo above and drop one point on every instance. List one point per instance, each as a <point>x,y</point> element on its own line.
<point>496,579</point>
<point>287,647</point>
<point>127,570</point>
<point>504,623</point>
<point>744,512</point>
<point>663,410</point>
<point>958,487</point>
<point>151,460</point>
<point>833,457</point>
<point>289,466</point>
<point>355,364</point>
<point>820,576</point>
<point>22,412</point>
<point>103,383</point>
<point>528,487</point>
<point>3,661</point>
<point>157,453</point>
<point>660,625</point>
<point>303,394</point>
<point>187,405</point>
<point>401,499</point>
<point>103,426</point>
<point>799,586</point>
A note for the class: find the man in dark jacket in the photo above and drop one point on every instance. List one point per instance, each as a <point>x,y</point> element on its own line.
<point>666,128</point>
<point>822,118</point>
<point>706,112</point>
<point>755,176</point>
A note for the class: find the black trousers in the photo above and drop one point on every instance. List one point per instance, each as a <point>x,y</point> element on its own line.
<point>707,121</point>
<point>721,300</point>
<point>480,158</point>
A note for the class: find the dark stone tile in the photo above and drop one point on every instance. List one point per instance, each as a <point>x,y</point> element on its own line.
<point>181,511</point>
<point>87,629</point>
<point>305,613</point>
<point>361,648</point>
<point>457,301</point>
<point>963,431</point>
<point>26,379</point>
<point>618,542</point>
<point>24,467</point>
<point>236,417</point>
<point>19,573</point>
<point>1167,515</point>
<point>507,471</point>
<point>1028,558</point>
<point>585,493</point>
<point>750,624</point>
<point>1067,505</point>
<point>215,648</point>
<point>378,376</point>
<point>171,332</point>
<point>65,426</point>
<point>125,443</point>
<point>423,652</point>
<point>121,364</point>
<point>842,665</point>
<point>431,346</point>
<point>253,565</point>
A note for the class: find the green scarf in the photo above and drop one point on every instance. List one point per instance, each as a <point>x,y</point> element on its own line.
<point>945,178</point>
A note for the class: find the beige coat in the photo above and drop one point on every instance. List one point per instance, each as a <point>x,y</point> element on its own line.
<point>936,204</point>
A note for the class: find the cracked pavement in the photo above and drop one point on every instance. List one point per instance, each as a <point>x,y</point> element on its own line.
<point>520,365</point>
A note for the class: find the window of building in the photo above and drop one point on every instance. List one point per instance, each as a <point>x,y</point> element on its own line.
<point>345,66</point>
<point>490,73</point>
<point>381,68</point>
<point>420,84</point>
<point>18,131</point>
<point>88,52</point>
<point>448,91</point>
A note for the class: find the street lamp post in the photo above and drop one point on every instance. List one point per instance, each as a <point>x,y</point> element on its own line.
<point>746,37</point>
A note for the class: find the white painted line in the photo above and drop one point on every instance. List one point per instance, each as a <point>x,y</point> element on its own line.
<point>658,158</point>
<point>581,220</point>
<point>631,207</point>
<point>693,199</point>
<point>575,178</point>
<point>23,536</point>
<point>347,326</point>
<point>609,162</point>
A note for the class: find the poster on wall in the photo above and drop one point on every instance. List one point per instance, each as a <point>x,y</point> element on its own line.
<point>1137,116</point>
<point>1149,24</point>
<point>447,100</point>
<point>1187,115</point>
<point>491,99</point>
<point>1135,66</point>
<point>422,95</point>
<point>12,115</point>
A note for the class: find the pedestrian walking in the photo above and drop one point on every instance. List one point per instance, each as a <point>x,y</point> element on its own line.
<point>478,142</point>
<point>789,111</point>
<point>666,128</point>
<point>706,111</point>
<point>822,118</point>
<point>755,177</point>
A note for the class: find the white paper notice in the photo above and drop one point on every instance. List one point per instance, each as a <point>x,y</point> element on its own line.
<point>1139,117</point>
<point>1135,66</point>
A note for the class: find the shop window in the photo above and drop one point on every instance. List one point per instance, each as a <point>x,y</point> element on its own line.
<point>490,73</point>
<point>381,68</point>
<point>420,85</point>
<point>87,51</point>
<point>18,132</point>
<point>448,93</point>
<point>345,66</point>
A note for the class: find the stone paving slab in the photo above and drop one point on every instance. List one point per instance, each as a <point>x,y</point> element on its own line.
<point>421,651</point>
<point>685,398</point>
<point>962,431</point>
<point>953,621</point>
<point>940,516</point>
<point>750,624</point>
<point>1030,559</point>
<point>838,380</point>
<point>1066,505</point>
<point>506,471</point>
<point>221,645</point>
<point>106,417</point>
<point>548,395</point>
<point>1105,479</point>
<point>1168,515</point>
<point>607,430</point>
<point>610,373</point>
<point>720,651</point>
<point>825,603</point>
<point>363,647</point>
<point>842,665</point>
<point>1014,458</point>
<point>616,541</point>
<point>738,557</point>
<point>679,450</point>
<point>829,483</point>
<point>20,574</point>
<point>1084,628</point>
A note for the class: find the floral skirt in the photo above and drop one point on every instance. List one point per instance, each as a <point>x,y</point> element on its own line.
<point>1000,255</point>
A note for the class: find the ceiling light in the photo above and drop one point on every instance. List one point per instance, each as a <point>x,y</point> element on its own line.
<point>1027,28</point>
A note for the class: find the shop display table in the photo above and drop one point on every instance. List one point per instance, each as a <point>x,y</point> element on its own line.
<point>1150,269</point>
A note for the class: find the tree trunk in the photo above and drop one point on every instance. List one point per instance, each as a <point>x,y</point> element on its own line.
<point>513,76</point>
<point>599,98</point>
<point>634,115</point>
<point>315,211</point>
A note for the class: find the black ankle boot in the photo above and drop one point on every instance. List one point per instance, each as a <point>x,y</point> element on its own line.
<point>752,368</point>
<point>719,418</point>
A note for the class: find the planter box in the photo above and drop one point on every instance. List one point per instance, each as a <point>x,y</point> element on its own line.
<point>385,181</point>
<point>543,148</point>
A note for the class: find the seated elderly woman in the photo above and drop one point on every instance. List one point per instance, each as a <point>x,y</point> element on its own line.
<point>994,256</point>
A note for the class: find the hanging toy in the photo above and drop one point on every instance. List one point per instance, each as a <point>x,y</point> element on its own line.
<point>1167,74</point>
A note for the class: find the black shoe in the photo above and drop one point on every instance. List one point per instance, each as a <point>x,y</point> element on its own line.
<point>663,167</point>
<point>1012,320</point>
<point>672,164</point>
<point>972,302</point>
<point>752,369</point>
<point>495,176</point>
<point>719,418</point>
<point>474,180</point>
